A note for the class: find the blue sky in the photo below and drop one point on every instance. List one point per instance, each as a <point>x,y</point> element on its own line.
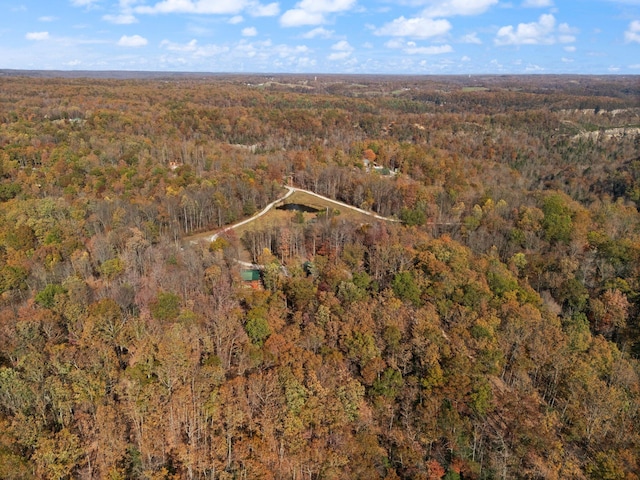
<point>324,36</point>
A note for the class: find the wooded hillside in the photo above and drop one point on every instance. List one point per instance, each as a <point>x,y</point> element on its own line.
<point>492,333</point>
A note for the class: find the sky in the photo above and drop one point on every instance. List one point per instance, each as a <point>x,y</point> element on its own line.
<point>324,36</point>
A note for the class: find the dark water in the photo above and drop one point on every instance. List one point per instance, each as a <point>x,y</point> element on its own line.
<point>297,207</point>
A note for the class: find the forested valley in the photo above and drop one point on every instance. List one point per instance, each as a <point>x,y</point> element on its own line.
<point>492,331</point>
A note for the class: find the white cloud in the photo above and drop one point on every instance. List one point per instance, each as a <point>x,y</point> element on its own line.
<point>326,6</point>
<point>448,8</point>
<point>122,19</point>
<point>211,50</point>
<point>570,48</point>
<point>431,50</point>
<point>132,41</point>
<point>411,48</point>
<point>534,33</point>
<point>342,46</point>
<point>177,47</point>
<point>47,19</point>
<point>313,12</point>
<point>395,43</point>
<point>83,3</point>
<point>283,50</point>
<point>199,30</point>
<point>306,62</point>
<point>298,18</point>
<point>419,27</point>
<point>125,4</point>
<point>318,32</point>
<point>537,3</point>
<point>471,38</point>
<point>288,51</point>
<point>542,32</point>
<point>566,38</point>
<point>209,7</point>
<point>633,32</point>
<point>236,19</point>
<point>465,59</point>
<point>338,56</point>
<point>258,10</point>
<point>341,50</point>
<point>193,48</point>
<point>249,32</point>
<point>37,36</point>
<point>566,33</point>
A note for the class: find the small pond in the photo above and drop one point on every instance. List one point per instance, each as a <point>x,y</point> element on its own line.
<point>297,207</point>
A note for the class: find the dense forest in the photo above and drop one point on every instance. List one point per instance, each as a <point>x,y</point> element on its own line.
<point>491,332</point>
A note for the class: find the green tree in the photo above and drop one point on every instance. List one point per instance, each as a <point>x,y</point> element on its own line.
<point>257,326</point>
<point>557,222</point>
<point>112,268</point>
<point>405,288</point>
<point>9,191</point>
<point>166,306</point>
<point>47,296</point>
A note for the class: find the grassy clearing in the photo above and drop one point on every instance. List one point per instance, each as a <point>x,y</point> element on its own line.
<point>275,217</point>
<point>321,204</point>
<point>282,217</point>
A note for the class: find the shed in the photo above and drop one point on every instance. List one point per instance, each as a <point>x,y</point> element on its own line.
<point>252,278</point>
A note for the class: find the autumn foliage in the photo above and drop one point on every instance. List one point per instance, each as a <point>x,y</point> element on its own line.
<point>491,332</point>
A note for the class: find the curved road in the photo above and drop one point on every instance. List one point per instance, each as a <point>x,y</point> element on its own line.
<point>290,191</point>
<point>337,202</point>
<point>257,215</point>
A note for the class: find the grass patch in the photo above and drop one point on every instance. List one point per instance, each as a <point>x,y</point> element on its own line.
<point>274,217</point>
<point>282,217</point>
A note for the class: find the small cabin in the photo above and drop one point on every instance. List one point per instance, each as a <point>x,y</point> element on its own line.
<point>252,278</point>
